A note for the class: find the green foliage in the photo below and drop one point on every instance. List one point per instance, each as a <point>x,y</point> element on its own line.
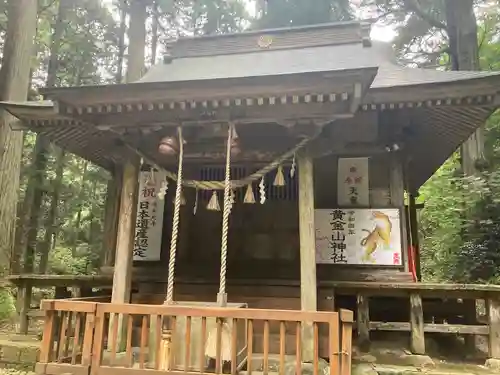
<point>460,226</point>
<point>286,13</point>
<point>7,304</point>
<point>62,261</point>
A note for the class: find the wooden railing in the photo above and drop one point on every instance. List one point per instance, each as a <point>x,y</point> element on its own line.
<point>67,337</point>
<point>108,339</point>
<point>420,308</point>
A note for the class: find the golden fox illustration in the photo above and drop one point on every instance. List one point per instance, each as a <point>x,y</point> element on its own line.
<point>380,234</point>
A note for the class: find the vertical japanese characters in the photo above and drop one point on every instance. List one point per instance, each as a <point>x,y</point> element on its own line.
<point>149,222</point>
<point>346,236</point>
<point>353,182</point>
<point>337,239</point>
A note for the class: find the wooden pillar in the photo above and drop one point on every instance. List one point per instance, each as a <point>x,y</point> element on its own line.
<point>122,272</point>
<point>494,323</point>
<point>397,201</point>
<point>111,213</point>
<point>413,219</point>
<point>125,240</point>
<point>363,322</point>
<point>23,306</point>
<point>308,289</point>
<point>417,324</point>
<point>470,315</point>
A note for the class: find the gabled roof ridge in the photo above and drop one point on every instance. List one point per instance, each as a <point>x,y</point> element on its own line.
<point>354,32</point>
<point>276,30</point>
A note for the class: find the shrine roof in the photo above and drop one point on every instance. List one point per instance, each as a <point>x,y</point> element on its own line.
<point>304,60</point>
<point>269,77</point>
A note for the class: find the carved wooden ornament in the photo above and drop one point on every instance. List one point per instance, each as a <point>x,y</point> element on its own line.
<point>265,41</point>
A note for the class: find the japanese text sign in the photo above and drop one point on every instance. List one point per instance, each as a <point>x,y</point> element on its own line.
<point>358,236</point>
<point>149,221</point>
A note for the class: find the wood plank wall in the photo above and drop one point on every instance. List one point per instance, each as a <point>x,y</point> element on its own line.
<point>263,239</point>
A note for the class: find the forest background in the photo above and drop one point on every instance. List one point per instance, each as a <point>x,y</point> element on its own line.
<point>62,198</point>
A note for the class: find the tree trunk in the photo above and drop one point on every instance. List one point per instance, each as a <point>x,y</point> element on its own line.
<point>137,38</point>
<point>33,204</point>
<point>121,41</point>
<point>154,32</point>
<point>464,55</point>
<point>50,224</point>
<point>76,229</point>
<point>14,80</point>
<point>34,191</point>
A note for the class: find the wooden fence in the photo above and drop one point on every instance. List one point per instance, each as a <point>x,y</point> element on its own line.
<point>111,339</point>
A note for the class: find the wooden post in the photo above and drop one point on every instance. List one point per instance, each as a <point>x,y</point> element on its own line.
<point>308,289</point>
<point>346,320</point>
<point>122,277</point>
<point>417,324</point>
<point>397,201</point>
<point>111,214</point>
<point>494,323</point>
<point>363,322</point>
<point>413,219</point>
<point>470,315</point>
<point>24,302</point>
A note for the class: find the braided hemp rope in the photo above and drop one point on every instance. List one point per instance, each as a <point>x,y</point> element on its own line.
<point>225,220</point>
<point>175,223</point>
<point>220,185</point>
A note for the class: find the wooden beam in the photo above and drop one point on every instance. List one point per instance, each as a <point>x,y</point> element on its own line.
<point>432,328</point>
<point>241,114</point>
<point>308,288</point>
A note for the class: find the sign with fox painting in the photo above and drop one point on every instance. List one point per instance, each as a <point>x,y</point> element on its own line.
<point>358,237</point>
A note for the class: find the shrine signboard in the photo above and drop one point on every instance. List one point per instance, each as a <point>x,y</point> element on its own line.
<point>358,236</point>
<point>352,182</point>
<point>149,221</point>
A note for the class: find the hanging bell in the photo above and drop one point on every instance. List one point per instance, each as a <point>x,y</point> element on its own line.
<point>249,195</point>
<point>213,204</point>
<point>168,146</point>
<point>279,180</point>
<point>235,147</point>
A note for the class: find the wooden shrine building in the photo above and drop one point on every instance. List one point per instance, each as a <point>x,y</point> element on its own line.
<point>296,146</point>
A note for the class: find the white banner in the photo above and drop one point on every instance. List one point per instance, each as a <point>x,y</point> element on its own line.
<point>149,222</point>
<point>353,182</point>
<point>358,236</point>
